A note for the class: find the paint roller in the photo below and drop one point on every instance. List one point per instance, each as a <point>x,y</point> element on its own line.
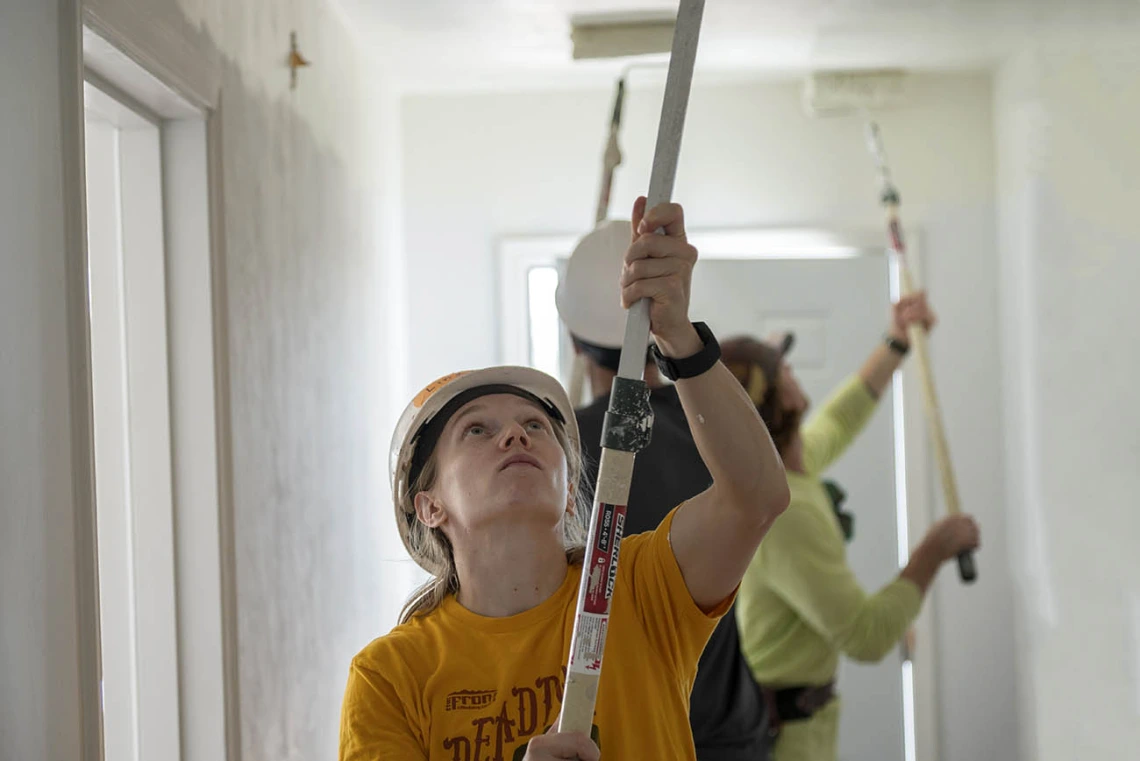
<point>621,35</point>
<point>841,93</point>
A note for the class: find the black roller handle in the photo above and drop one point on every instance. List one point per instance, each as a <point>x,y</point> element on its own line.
<point>966,568</point>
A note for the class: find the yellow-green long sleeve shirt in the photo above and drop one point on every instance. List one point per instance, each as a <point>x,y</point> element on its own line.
<point>800,605</point>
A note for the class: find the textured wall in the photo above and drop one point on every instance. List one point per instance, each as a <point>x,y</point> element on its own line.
<point>306,320</point>
<point>302,180</point>
<point>1066,128</point>
<point>493,165</point>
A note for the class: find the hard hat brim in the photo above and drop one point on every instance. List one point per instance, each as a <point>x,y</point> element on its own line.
<point>436,396</point>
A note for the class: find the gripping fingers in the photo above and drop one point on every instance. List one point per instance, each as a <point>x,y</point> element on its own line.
<point>918,316</point>
<point>913,309</point>
<point>669,216</point>
<point>662,290</point>
<point>650,246</point>
<point>646,269</point>
<point>563,745</point>
<point>973,535</point>
<point>638,215</point>
<point>965,533</point>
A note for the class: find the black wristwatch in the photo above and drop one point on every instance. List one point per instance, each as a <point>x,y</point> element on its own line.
<point>895,345</point>
<point>690,367</point>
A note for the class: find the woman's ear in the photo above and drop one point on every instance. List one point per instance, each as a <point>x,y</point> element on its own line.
<point>429,511</point>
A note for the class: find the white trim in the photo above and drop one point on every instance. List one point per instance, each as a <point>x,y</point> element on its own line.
<point>112,436</point>
<point>105,102</point>
<point>105,64</point>
<point>79,366</point>
<point>201,672</point>
<point>138,33</point>
<point>151,502</point>
<point>917,488</point>
<point>173,71</point>
<point>130,377</point>
<point>223,417</point>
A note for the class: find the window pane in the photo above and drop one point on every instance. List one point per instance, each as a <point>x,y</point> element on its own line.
<point>542,282</point>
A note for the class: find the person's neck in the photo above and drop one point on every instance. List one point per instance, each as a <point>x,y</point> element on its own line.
<point>506,570</point>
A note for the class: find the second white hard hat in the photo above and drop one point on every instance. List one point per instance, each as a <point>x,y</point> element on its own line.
<point>589,294</point>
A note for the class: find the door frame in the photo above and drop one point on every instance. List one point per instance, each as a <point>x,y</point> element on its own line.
<point>109,42</point>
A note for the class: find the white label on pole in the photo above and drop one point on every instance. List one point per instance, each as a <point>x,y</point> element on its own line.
<point>591,640</point>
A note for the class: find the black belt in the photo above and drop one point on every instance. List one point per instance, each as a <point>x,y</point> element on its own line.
<point>795,703</point>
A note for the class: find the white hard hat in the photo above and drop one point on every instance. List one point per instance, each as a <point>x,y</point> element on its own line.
<point>449,393</point>
<point>589,295</point>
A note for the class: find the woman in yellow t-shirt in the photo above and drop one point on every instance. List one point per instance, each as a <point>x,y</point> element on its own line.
<point>485,465</point>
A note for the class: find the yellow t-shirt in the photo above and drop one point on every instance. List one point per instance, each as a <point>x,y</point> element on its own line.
<point>455,686</point>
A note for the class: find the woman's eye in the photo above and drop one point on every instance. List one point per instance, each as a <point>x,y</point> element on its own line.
<point>476,429</point>
<point>536,425</point>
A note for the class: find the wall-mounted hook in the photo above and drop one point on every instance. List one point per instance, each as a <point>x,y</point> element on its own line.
<point>296,60</point>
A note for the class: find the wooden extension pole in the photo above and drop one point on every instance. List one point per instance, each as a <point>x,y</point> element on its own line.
<point>629,420</point>
<point>917,334</point>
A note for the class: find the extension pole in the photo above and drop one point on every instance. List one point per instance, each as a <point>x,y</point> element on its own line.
<point>890,200</point>
<point>629,420</point>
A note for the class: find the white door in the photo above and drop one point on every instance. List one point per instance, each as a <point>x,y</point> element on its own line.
<point>160,437</point>
<point>838,310</point>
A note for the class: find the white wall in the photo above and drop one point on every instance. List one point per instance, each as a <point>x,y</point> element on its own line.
<point>1066,118</point>
<point>303,189</point>
<point>40,710</point>
<point>477,167</point>
<point>304,194</point>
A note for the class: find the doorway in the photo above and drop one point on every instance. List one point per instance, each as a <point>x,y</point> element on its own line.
<point>161,533</point>
<point>833,290</point>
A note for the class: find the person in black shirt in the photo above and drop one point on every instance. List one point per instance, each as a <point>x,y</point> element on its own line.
<point>727,711</point>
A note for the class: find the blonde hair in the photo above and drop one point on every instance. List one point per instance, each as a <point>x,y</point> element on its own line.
<point>431,548</point>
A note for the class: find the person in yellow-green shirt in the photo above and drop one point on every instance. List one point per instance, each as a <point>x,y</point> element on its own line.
<point>485,470</point>
<point>800,606</point>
